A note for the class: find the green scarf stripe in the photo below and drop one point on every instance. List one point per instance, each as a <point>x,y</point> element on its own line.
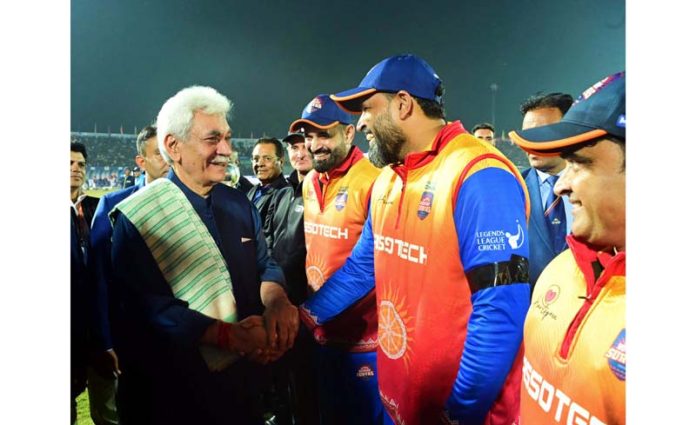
<point>146,204</point>
<point>173,223</point>
<point>203,291</point>
<point>175,268</point>
<point>179,276</point>
<point>145,215</point>
<point>185,290</point>
<point>182,256</point>
<point>183,248</point>
<point>163,243</point>
<point>219,291</point>
<point>170,232</point>
<point>230,319</point>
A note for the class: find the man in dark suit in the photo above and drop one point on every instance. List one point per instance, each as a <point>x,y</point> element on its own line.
<point>191,279</point>
<point>550,217</point>
<point>267,158</point>
<point>102,382</point>
<point>84,204</point>
<point>82,209</point>
<point>128,179</point>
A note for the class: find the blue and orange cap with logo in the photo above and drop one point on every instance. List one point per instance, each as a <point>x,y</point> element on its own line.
<point>321,112</point>
<point>401,72</point>
<point>599,111</point>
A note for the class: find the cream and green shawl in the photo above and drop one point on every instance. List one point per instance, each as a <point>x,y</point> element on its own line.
<point>186,254</point>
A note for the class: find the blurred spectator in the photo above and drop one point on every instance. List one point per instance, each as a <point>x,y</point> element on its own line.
<point>551,218</point>
<point>268,159</point>
<point>128,179</point>
<point>139,176</point>
<point>484,131</point>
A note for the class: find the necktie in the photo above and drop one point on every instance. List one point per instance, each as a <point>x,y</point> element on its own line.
<point>555,217</point>
<point>82,231</point>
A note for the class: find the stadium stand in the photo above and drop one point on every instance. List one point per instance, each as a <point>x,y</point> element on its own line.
<point>111,153</point>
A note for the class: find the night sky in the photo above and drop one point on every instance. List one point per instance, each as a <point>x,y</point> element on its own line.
<point>271,58</point>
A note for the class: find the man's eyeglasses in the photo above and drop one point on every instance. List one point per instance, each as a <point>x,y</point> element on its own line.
<point>263,158</point>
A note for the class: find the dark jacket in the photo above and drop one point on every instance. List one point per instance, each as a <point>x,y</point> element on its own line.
<point>100,262</point>
<point>541,250</point>
<point>79,312</point>
<point>156,334</point>
<point>81,281</point>
<point>244,184</point>
<point>89,206</point>
<point>285,238</point>
<point>264,201</point>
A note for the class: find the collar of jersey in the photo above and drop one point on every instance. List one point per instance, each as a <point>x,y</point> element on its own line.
<point>419,159</point>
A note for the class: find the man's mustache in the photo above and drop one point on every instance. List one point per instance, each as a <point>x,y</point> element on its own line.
<point>320,150</point>
<point>220,160</point>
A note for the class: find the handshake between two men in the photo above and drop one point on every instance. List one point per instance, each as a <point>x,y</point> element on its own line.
<point>262,339</point>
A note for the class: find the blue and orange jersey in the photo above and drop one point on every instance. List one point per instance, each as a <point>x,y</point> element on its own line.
<point>575,341</point>
<point>335,209</point>
<point>445,248</point>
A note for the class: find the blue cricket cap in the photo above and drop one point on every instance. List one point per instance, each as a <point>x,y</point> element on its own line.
<point>599,111</point>
<point>321,112</point>
<point>401,72</point>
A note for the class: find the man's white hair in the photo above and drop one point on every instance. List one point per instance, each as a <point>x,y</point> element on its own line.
<point>176,115</point>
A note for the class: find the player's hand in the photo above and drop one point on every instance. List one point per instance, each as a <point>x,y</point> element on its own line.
<point>282,322</point>
<point>248,337</point>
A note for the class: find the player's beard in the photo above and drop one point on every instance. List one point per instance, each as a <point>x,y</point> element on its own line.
<point>388,142</point>
<point>336,157</point>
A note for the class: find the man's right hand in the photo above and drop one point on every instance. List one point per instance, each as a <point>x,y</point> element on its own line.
<point>248,336</point>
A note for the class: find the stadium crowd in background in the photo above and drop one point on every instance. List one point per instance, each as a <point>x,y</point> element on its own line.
<point>417,269</point>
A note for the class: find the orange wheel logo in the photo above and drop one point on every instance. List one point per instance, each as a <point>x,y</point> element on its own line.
<point>315,278</point>
<point>392,331</point>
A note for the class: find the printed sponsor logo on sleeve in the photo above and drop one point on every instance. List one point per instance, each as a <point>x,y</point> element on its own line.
<point>499,240</point>
<point>365,372</point>
<point>616,356</point>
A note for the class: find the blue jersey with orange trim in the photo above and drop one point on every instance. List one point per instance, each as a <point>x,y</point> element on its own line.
<point>448,351</point>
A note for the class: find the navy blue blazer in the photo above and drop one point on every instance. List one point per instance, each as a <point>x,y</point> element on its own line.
<point>541,250</point>
<point>100,241</point>
<point>165,379</point>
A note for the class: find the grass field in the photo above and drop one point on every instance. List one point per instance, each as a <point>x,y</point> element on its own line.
<point>83,410</point>
<point>98,192</point>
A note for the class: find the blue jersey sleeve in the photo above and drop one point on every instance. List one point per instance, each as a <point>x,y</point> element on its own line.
<point>491,227</point>
<point>348,284</point>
